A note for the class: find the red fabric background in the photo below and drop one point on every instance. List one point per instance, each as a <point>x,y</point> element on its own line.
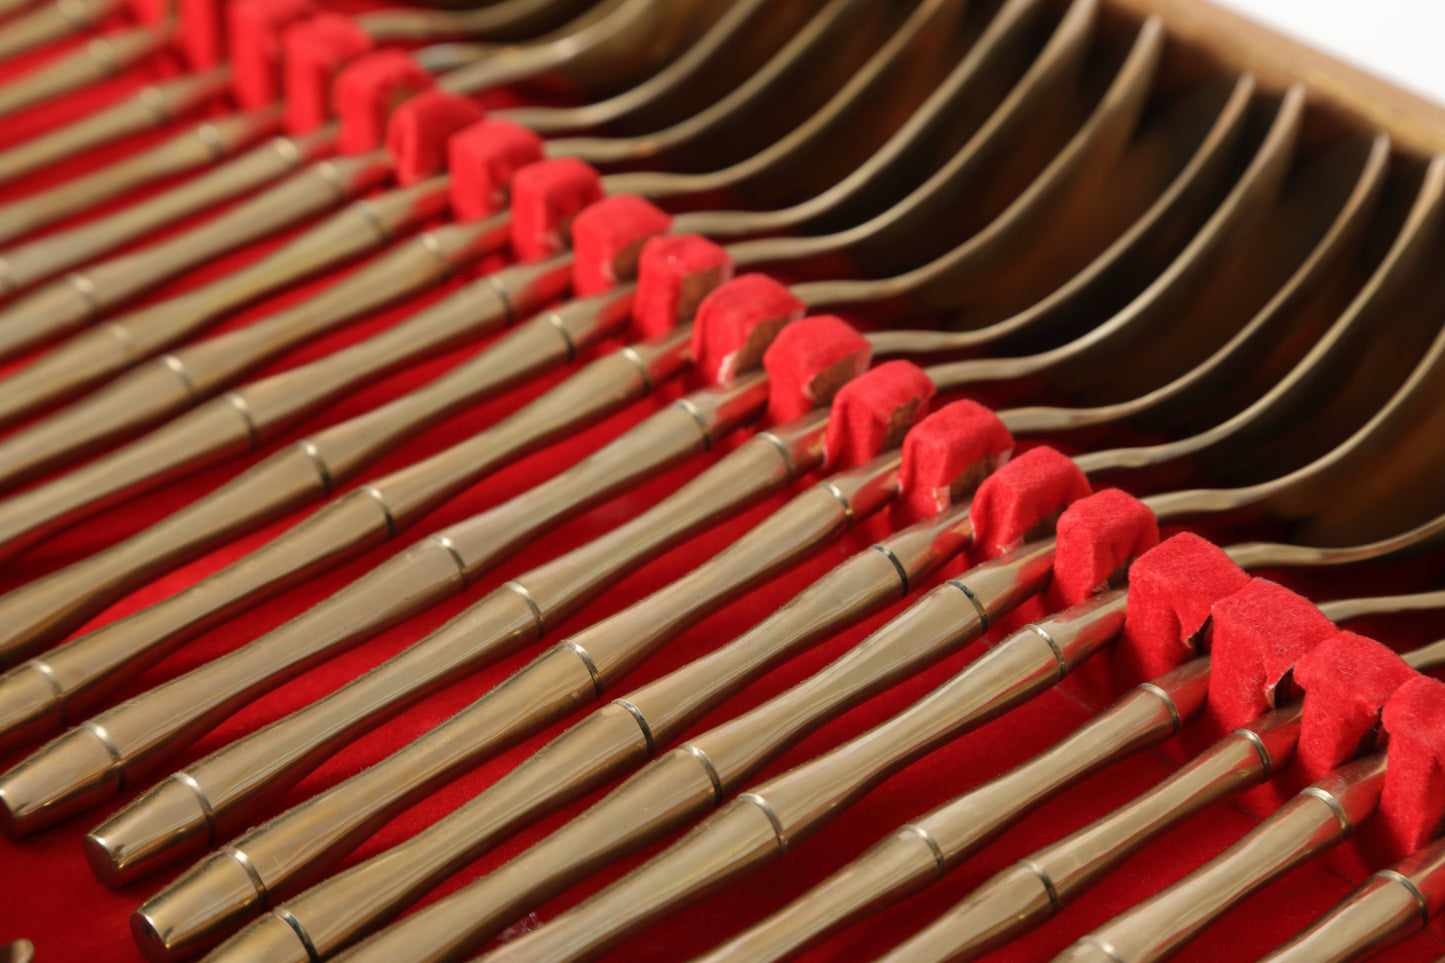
<point>48,895</point>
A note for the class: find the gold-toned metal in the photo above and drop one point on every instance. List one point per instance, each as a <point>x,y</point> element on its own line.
<point>764,823</point>
<point>81,297</point>
<point>366,517</point>
<point>697,776</point>
<point>171,384</point>
<point>57,608</point>
<point>192,373</point>
<point>921,851</point>
<point>151,106</point>
<point>43,257</point>
<point>1387,907</point>
<point>52,21</point>
<point>297,846</point>
<point>1322,815</point>
<point>1034,888</point>
<point>104,55</point>
<point>937,843</point>
<point>116,344</point>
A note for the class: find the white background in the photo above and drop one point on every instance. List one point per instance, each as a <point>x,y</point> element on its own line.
<point>1401,40</point>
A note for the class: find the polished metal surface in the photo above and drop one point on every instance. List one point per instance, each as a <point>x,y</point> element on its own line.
<point>1319,817</point>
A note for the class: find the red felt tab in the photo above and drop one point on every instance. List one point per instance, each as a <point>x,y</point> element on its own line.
<point>607,241</point>
<point>201,35</point>
<point>948,455</point>
<point>1346,680</point>
<point>1098,537</point>
<point>366,92</point>
<point>253,36</point>
<point>873,412</point>
<point>313,53</point>
<point>1413,801</point>
<point>416,134</point>
<point>809,361</point>
<point>1022,500</point>
<point>546,199</point>
<point>737,322</point>
<point>1258,634</point>
<point>674,274</point>
<point>1171,590</point>
<point>482,159</point>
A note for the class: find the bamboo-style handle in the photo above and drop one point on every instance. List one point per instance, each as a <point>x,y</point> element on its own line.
<point>766,822</point>
<point>247,417</point>
<point>233,786</point>
<point>121,343</point>
<point>1315,820</point>
<point>87,295</point>
<point>45,610</point>
<point>1032,890</point>
<point>44,257</point>
<point>104,55</point>
<point>156,725</point>
<point>194,372</point>
<point>56,19</point>
<point>685,783</point>
<point>920,851</point>
<point>1387,907</point>
<point>613,740</point>
<point>151,106</point>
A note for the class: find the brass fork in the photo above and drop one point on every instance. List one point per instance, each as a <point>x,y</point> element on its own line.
<point>182,377</point>
<point>291,476</point>
<point>497,897</point>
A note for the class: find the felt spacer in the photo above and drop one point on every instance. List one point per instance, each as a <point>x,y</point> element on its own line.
<point>1413,800</point>
<point>482,159</point>
<point>809,361</point>
<point>873,412</point>
<point>607,240</point>
<point>1347,679</point>
<point>416,134</point>
<point>674,274</point>
<point>1258,634</point>
<point>312,53</point>
<point>1097,538</point>
<point>546,198</point>
<point>367,90</point>
<point>1022,500</point>
<point>1171,589</point>
<point>737,322</point>
<point>253,39</point>
<point>201,35</point>
<point>948,455</point>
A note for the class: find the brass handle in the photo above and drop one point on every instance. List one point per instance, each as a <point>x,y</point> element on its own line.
<point>685,783</point>
<point>1033,889</point>
<point>52,21</point>
<point>46,609</point>
<point>171,716</point>
<point>1313,821</point>
<point>104,55</point>
<point>120,343</point>
<point>766,822</point>
<point>1390,905</point>
<point>922,850</point>
<point>245,418</point>
<point>616,738</point>
<point>153,105</point>
<point>194,372</point>
<point>233,786</point>
<point>43,257</point>
<point>84,296</point>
